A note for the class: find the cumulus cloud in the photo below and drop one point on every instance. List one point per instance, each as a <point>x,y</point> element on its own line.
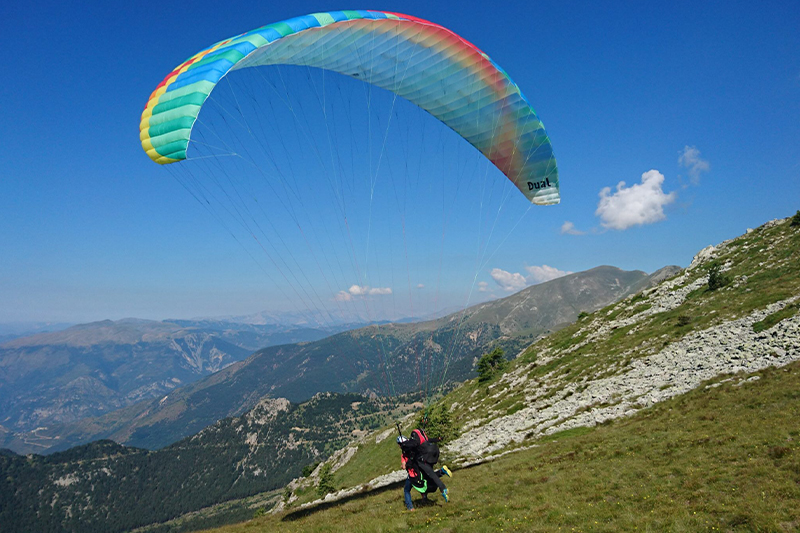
<point>514,281</point>
<point>361,290</point>
<point>540,274</point>
<point>508,282</point>
<point>343,296</point>
<point>690,159</point>
<point>569,228</point>
<point>358,290</point>
<point>639,204</point>
<point>379,290</point>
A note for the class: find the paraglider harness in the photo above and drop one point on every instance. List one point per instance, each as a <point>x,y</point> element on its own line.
<point>427,451</point>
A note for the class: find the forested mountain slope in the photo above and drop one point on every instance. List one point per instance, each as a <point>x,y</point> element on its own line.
<point>104,486</point>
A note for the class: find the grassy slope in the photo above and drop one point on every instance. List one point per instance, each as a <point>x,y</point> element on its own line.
<point>725,457</point>
<point>762,268</point>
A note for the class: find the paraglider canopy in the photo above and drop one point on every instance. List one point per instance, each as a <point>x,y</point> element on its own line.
<point>321,144</point>
<point>420,61</point>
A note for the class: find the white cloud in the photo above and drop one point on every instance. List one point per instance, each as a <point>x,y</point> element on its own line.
<point>343,296</point>
<point>690,159</point>
<point>380,290</point>
<point>639,204</point>
<point>361,290</point>
<point>358,290</point>
<point>570,229</point>
<point>420,286</point>
<point>540,274</point>
<point>508,282</point>
<point>514,281</point>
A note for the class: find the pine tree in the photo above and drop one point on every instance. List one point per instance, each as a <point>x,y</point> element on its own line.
<point>716,279</point>
<point>491,364</point>
<point>440,424</point>
<point>325,484</point>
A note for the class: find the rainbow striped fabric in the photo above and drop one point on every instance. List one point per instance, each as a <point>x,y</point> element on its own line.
<point>418,60</point>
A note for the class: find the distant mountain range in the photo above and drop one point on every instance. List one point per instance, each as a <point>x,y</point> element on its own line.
<point>310,319</point>
<point>256,336</point>
<point>11,331</point>
<point>377,359</point>
<point>281,319</point>
<point>61,377</point>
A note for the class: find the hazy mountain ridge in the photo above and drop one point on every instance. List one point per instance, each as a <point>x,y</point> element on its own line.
<point>353,361</point>
<point>54,378</point>
<point>547,306</point>
<point>256,336</point>
<point>86,370</point>
<point>124,331</point>
<point>15,330</point>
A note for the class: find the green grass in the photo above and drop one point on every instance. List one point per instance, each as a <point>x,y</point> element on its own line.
<point>514,408</point>
<point>473,400</point>
<point>724,458</point>
<point>369,462</point>
<point>565,434</point>
<point>774,318</point>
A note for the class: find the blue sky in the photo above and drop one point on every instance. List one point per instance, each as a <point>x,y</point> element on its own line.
<point>706,95</point>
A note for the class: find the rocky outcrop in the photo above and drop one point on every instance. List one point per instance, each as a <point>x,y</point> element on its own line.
<point>266,410</point>
<point>728,348</point>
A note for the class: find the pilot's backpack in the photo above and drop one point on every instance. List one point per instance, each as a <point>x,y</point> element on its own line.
<point>427,451</point>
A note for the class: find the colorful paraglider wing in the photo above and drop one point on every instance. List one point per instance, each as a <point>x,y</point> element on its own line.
<point>422,62</point>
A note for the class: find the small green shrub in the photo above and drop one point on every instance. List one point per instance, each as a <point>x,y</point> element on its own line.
<point>439,423</point>
<point>684,320</point>
<point>325,484</point>
<point>716,278</point>
<point>582,315</point>
<point>491,364</point>
<point>795,220</point>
